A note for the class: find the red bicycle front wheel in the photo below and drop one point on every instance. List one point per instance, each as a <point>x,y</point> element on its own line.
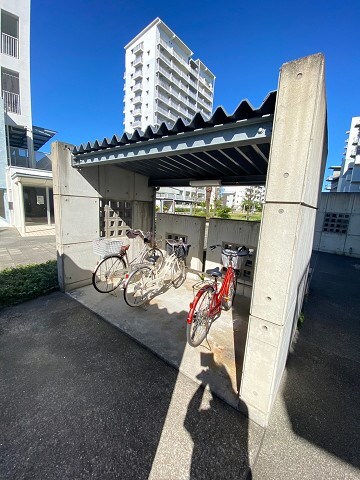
<point>199,319</point>
<point>228,299</point>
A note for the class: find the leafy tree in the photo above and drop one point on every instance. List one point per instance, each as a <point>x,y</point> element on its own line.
<point>223,212</point>
<point>252,201</point>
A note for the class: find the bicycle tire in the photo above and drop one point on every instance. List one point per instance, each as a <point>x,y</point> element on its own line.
<point>199,320</point>
<point>136,288</point>
<point>109,273</point>
<point>228,302</point>
<point>155,252</point>
<point>178,273</point>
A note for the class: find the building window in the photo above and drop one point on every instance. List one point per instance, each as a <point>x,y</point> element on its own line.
<point>10,87</point>
<point>336,223</point>
<point>9,34</point>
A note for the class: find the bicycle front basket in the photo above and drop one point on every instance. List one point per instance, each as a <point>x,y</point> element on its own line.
<point>104,246</point>
<point>181,250</point>
<point>237,262</point>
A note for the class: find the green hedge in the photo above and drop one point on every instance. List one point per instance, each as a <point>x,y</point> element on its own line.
<point>27,281</point>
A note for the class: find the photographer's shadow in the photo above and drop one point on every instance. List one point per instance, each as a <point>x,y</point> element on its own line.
<point>219,432</point>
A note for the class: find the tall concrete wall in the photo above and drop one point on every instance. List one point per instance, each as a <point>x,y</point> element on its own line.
<point>338,242</point>
<point>191,227</point>
<point>234,232</point>
<point>296,166</point>
<point>76,204</point>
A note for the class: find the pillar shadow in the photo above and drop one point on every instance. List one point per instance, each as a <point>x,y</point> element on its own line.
<point>220,450</point>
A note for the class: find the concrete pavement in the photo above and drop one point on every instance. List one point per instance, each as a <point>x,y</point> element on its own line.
<point>17,250</point>
<point>82,400</point>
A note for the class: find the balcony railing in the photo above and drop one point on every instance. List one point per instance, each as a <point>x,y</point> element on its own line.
<point>206,83</point>
<point>139,48</point>
<point>19,157</point>
<point>9,45</point>
<point>137,86</point>
<point>138,61</point>
<point>177,95</point>
<point>11,102</point>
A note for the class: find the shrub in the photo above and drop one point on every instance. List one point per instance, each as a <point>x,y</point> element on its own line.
<point>27,281</point>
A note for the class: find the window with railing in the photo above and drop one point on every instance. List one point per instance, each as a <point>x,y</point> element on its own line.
<point>19,157</point>
<point>9,34</point>
<point>10,87</point>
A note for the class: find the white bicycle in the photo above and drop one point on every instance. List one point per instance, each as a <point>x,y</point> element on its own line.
<point>144,282</point>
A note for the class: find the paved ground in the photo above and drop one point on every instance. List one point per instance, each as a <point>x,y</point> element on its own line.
<point>82,400</point>
<point>16,250</point>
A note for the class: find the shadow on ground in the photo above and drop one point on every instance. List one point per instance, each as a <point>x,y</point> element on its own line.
<point>322,393</point>
<point>82,400</point>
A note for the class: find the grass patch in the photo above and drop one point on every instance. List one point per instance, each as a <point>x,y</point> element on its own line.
<point>26,282</point>
<point>254,217</point>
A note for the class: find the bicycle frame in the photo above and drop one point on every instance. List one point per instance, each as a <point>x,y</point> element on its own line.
<point>165,270</point>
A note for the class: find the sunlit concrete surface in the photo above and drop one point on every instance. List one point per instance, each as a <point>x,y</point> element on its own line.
<point>161,327</point>
<point>16,250</point>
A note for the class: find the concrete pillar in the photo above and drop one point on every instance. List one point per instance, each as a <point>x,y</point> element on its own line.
<point>297,161</point>
<point>48,205</point>
<point>21,208</point>
<point>30,146</point>
<point>76,206</point>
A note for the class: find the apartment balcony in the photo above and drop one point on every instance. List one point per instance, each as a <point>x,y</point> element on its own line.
<point>174,93</point>
<point>19,157</point>
<point>166,113</point>
<point>204,107</point>
<point>138,49</point>
<point>170,78</point>
<point>11,102</point>
<point>165,59</point>
<point>353,152</point>
<point>175,69</point>
<point>9,45</point>
<point>136,111</point>
<point>207,84</point>
<point>136,100</point>
<point>174,54</point>
<point>137,74</point>
<point>138,61</point>
<point>205,94</point>
<point>169,102</point>
<point>355,140</point>
<point>204,102</point>
<point>137,87</point>
<point>136,124</point>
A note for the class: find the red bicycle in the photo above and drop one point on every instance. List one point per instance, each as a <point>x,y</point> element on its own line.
<point>210,299</point>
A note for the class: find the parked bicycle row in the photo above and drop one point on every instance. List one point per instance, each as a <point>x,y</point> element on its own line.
<point>152,269</point>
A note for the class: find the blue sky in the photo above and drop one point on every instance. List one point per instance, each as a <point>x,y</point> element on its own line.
<point>77,56</point>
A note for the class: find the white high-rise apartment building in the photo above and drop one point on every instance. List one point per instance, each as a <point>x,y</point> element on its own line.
<point>25,173</point>
<point>349,178</point>
<point>162,81</point>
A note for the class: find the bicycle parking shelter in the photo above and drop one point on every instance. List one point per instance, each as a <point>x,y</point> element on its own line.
<point>283,143</point>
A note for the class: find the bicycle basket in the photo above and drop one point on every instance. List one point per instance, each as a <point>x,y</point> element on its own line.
<point>237,262</point>
<point>181,250</point>
<point>104,246</point>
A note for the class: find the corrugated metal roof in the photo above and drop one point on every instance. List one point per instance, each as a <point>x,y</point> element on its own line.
<point>231,148</point>
<point>244,111</point>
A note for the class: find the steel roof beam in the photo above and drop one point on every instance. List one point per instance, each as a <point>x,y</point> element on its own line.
<point>184,182</point>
